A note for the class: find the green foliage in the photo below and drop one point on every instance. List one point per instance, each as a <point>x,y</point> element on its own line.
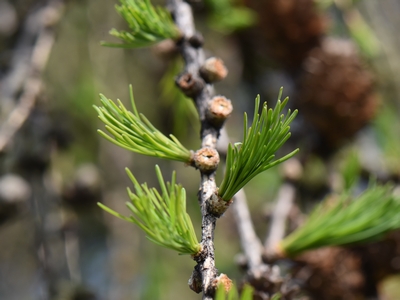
<point>148,25</point>
<point>134,132</point>
<point>355,25</point>
<point>276,296</point>
<point>350,170</point>
<point>363,35</point>
<point>247,293</point>
<point>257,151</point>
<point>227,16</point>
<point>344,221</point>
<point>162,217</point>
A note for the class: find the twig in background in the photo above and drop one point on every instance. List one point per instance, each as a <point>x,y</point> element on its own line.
<point>251,244</point>
<point>33,84</point>
<point>280,214</point>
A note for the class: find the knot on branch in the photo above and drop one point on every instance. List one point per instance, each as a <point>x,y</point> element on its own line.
<point>219,109</point>
<point>189,84</point>
<point>195,281</point>
<point>206,160</point>
<point>213,70</point>
<point>196,40</point>
<point>166,49</point>
<point>217,206</point>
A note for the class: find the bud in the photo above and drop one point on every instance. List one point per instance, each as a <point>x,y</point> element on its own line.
<point>292,170</point>
<point>213,70</point>
<point>218,206</point>
<point>166,49</point>
<point>189,85</point>
<point>206,159</point>
<point>223,281</point>
<point>219,109</point>
<point>194,282</point>
<point>196,40</point>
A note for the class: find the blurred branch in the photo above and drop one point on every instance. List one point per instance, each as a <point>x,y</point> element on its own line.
<point>28,79</point>
<point>284,202</point>
<point>251,244</point>
<point>344,220</point>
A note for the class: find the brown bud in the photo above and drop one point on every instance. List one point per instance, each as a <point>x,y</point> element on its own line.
<point>165,49</point>
<point>206,159</point>
<point>218,206</point>
<point>194,282</point>
<point>213,70</point>
<point>189,85</point>
<point>196,40</point>
<point>223,281</point>
<point>219,109</point>
<point>292,170</point>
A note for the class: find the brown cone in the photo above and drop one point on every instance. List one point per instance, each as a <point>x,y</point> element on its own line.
<point>331,273</point>
<point>336,93</point>
<point>289,28</point>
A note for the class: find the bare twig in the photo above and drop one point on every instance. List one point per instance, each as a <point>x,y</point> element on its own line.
<point>47,18</point>
<point>204,277</point>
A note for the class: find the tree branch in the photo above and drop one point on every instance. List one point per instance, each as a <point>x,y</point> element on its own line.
<point>204,278</point>
<point>45,19</point>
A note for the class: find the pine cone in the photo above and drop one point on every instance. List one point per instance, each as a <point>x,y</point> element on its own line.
<point>336,93</point>
<point>381,258</point>
<point>331,273</point>
<point>289,29</point>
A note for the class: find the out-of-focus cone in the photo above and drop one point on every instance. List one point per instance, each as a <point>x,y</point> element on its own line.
<point>331,273</point>
<point>289,29</point>
<point>336,93</point>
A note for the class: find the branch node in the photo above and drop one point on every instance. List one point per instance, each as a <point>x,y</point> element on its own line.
<point>219,109</point>
<point>218,206</point>
<point>166,49</point>
<point>190,85</point>
<point>223,281</point>
<point>206,160</point>
<point>213,70</point>
<point>195,281</point>
<point>292,170</point>
<point>196,40</point>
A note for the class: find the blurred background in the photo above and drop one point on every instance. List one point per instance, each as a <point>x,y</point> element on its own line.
<point>338,60</point>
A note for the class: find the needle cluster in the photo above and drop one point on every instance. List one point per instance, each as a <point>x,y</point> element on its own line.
<point>268,132</point>
<point>246,293</point>
<point>134,132</point>
<point>162,216</point>
<point>346,221</point>
<point>148,25</point>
